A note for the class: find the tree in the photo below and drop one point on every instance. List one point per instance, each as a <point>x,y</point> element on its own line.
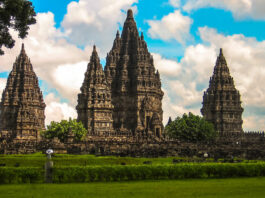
<point>62,129</point>
<point>17,15</point>
<point>191,128</point>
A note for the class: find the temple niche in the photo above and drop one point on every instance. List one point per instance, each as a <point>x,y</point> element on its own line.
<point>94,102</point>
<point>221,101</point>
<point>135,84</point>
<point>22,106</point>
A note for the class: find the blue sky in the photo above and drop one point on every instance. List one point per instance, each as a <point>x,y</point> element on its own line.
<point>183,35</point>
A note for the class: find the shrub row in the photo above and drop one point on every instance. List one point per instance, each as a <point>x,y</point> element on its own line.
<point>11,175</point>
<point>154,172</point>
<point>126,173</point>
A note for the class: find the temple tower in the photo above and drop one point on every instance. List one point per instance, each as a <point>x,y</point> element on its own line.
<point>94,106</point>
<point>22,106</point>
<point>221,101</point>
<point>135,84</point>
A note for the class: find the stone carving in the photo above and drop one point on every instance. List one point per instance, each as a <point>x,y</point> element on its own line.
<point>221,101</point>
<point>22,106</point>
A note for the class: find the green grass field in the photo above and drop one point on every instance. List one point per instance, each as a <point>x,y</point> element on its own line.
<point>197,188</point>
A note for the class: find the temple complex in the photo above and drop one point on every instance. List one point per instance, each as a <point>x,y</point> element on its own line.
<point>221,101</point>
<point>135,84</point>
<point>22,106</point>
<point>121,108</point>
<point>94,107</point>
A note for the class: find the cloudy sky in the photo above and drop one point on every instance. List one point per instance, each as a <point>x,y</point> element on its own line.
<point>184,37</point>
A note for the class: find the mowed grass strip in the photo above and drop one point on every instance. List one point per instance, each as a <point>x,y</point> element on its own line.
<point>199,188</point>
<point>39,159</point>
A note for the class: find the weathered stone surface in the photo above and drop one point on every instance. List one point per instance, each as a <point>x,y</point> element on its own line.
<point>221,101</point>
<point>94,107</point>
<point>22,106</point>
<point>135,85</point>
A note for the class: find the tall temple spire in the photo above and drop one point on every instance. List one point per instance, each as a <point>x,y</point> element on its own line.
<point>94,106</point>
<point>22,106</point>
<point>221,101</point>
<point>136,88</point>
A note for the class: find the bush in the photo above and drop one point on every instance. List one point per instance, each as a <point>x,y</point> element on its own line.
<point>10,175</point>
<point>155,172</point>
<point>79,174</point>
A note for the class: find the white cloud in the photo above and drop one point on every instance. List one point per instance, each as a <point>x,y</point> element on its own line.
<point>165,66</point>
<point>175,3</point>
<point>57,111</point>
<point>172,26</point>
<point>46,46</point>
<point>240,8</point>
<point>68,79</point>
<point>88,23</point>
<point>55,60</point>
<point>254,123</point>
<point>245,58</point>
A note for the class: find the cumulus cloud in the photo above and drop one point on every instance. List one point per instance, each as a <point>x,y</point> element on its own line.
<point>88,23</point>
<point>240,8</point>
<point>46,46</point>
<point>55,60</point>
<point>172,26</point>
<point>165,66</point>
<point>68,79</point>
<point>57,111</point>
<point>245,58</point>
<point>175,3</point>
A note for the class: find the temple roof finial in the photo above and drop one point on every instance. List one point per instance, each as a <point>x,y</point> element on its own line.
<point>130,14</point>
<point>23,49</point>
<point>118,34</point>
<point>221,52</point>
<point>142,36</point>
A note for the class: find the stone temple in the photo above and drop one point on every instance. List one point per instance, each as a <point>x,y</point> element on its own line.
<point>221,101</point>
<point>94,102</point>
<point>132,84</point>
<point>22,106</point>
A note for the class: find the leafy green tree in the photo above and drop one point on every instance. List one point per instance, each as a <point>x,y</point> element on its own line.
<point>17,15</point>
<point>191,128</point>
<point>62,129</point>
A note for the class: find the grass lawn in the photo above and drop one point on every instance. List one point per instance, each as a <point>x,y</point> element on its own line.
<point>38,160</point>
<point>206,188</point>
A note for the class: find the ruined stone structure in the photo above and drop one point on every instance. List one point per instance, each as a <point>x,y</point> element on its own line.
<point>94,107</point>
<point>221,101</point>
<point>135,85</point>
<point>22,106</point>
